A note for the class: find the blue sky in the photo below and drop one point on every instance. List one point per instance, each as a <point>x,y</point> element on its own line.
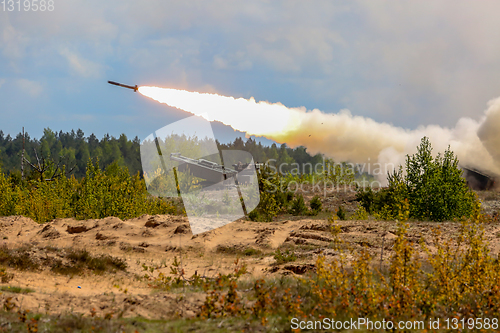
<point>408,63</point>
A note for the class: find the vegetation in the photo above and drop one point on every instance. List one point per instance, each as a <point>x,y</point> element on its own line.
<point>276,198</point>
<point>70,175</point>
<point>284,257</point>
<point>273,197</point>
<point>298,205</point>
<point>80,260</point>
<point>112,192</point>
<point>459,279</point>
<point>429,189</point>
<point>22,322</point>
<point>18,258</point>
<point>315,205</point>
<point>178,279</point>
<point>341,213</point>
<point>232,250</point>
<point>5,276</point>
<point>74,150</point>
<point>360,214</point>
<point>16,290</point>
<point>338,173</point>
<point>73,262</point>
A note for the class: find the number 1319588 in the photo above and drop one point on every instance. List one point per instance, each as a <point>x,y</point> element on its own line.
<point>27,5</point>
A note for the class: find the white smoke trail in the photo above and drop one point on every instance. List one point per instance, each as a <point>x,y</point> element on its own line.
<point>342,136</point>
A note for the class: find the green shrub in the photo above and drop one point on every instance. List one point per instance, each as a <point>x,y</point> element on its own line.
<point>338,173</point>
<point>5,276</point>
<point>360,214</point>
<point>436,189</point>
<point>250,251</point>
<point>341,213</point>
<point>298,206</point>
<point>273,198</point>
<point>284,257</point>
<point>432,189</point>
<point>254,215</point>
<point>16,289</point>
<point>7,204</point>
<point>81,260</point>
<point>315,205</point>
<point>99,194</point>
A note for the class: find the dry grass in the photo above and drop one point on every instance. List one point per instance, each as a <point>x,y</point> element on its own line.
<point>73,262</point>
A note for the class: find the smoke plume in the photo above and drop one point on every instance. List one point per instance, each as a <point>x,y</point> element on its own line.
<point>342,136</point>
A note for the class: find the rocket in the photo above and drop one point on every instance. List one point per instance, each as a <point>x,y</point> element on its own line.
<point>124,85</point>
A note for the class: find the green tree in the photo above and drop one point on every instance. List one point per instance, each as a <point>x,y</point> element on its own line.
<point>432,189</point>
<point>436,189</point>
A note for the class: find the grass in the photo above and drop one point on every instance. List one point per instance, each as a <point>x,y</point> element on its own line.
<point>19,258</point>
<point>284,257</point>
<point>76,261</point>
<point>16,323</point>
<point>81,260</point>
<point>17,290</point>
<point>233,250</point>
<point>250,251</point>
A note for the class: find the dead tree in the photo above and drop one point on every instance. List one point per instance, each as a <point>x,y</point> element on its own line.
<point>41,167</point>
<point>22,159</point>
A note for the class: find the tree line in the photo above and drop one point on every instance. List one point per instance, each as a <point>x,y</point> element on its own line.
<point>74,149</point>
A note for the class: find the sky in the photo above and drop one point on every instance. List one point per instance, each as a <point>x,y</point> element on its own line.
<point>405,63</point>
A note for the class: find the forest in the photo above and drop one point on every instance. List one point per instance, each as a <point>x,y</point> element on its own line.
<point>74,149</point>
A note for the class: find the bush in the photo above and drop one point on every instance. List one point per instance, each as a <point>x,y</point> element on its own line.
<point>360,214</point>
<point>18,258</point>
<point>315,205</point>
<point>254,215</point>
<point>99,194</point>
<point>284,257</point>
<point>436,189</point>
<point>273,198</point>
<point>432,189</point>
<point>338,173</point>
<point>341,213</point>
<point>298,206</point>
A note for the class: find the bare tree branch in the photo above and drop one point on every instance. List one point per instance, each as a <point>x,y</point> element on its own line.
<point>36,155</point>
<point>31,165</point>
<point>44,166</point>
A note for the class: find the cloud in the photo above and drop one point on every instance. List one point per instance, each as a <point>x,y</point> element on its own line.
<point>236,61</point>
<point>82,67</point>
<point>13,42</point>
<point>407,63</point>
<point>2,82</point>
<point>33,88</point>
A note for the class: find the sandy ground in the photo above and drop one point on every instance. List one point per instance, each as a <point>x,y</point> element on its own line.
<point>156,240</point>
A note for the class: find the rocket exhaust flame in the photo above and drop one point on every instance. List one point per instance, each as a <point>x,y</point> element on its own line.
<point>342,136</point>
<point>254,118</point>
